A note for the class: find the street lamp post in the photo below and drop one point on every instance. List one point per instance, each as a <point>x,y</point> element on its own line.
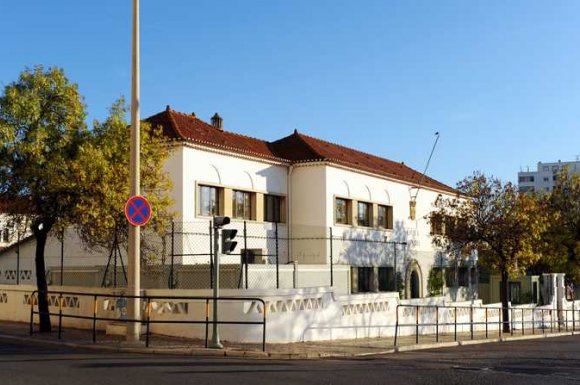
<point>134,251</point>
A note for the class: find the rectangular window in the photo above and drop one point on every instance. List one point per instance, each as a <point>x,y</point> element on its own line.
<point>6,235</point>
<point>450,277</point>
<point>241,204</point>
<point>209,201</point>
<point>364,214</point>
<point>272,208</point>
<point>365,279</point>
<point>386,279</point>
<point>341,211</point>
<point>385,217</point>
<point>515,291</point>
<point>436,225</point>
<point>526,178</point>
<point>463,277</point>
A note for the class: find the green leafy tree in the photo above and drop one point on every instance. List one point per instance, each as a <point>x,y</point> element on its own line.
<point>42,128</point>
<point>99,214</point>
<point>504,227</point>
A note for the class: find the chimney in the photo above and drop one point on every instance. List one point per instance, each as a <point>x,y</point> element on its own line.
<point>217,121</point>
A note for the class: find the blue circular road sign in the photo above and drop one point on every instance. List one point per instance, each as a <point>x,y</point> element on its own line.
<point>137,210</point>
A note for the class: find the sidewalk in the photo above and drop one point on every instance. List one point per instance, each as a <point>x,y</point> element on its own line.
<point>302,350</point>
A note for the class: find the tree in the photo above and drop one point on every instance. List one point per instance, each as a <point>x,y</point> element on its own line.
<point>492,218</point>
<point>42,128</point>
<point>99,214</point>
<point>562,236</point>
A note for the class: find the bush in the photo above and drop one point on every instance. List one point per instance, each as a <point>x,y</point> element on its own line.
<point>435,282</point>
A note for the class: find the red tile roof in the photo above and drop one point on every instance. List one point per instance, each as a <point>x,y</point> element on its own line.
<point>317,149</point>
<point>177,125</point>
<point>295,148</point>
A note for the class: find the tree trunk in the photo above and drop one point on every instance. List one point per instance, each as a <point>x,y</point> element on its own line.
<point>41,230</point>
<point>504,295</point>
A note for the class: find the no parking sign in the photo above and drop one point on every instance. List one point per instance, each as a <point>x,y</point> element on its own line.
<point>137,210</point>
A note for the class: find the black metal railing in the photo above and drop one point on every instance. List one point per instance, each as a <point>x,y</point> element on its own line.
<point>538,318</point>
<point>147,319</point>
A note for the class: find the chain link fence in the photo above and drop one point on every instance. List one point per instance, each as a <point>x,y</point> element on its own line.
<point>267,255</point>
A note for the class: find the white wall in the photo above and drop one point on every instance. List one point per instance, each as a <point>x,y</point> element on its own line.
<point>75,254</point>
<point>361,187</point>
<point>190,167</point>
<point>310,314</point>
<point>201,166</point>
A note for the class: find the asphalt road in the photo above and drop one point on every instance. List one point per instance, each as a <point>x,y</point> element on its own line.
<point>548,361</point>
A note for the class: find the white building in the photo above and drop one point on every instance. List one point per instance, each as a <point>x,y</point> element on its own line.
<point>292,195</point>
<point>544,178</point>
<point>309,189</point>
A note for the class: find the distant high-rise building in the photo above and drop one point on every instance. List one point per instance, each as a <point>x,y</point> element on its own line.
<point>544,179</point>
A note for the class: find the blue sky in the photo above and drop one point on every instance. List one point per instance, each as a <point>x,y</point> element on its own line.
<point>499,80</point>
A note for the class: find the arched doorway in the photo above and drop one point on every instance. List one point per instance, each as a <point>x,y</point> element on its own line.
<point>415,289</point>
<point>413,280</point>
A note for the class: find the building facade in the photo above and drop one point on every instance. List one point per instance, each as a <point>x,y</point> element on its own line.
<point>307,189</point>
<point>302,204</point>
<point>544,178</point>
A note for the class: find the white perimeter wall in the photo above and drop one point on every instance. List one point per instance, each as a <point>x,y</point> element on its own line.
<point>293,315</point>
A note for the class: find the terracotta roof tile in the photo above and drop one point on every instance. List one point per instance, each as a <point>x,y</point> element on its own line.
<point>177,125</point>
<point>295,148</point>
<point>317,149</point>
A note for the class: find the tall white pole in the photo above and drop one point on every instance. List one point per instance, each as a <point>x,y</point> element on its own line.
<point>133,257</point>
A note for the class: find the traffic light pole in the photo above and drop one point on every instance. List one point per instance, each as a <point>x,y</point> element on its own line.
<point>215,339</point>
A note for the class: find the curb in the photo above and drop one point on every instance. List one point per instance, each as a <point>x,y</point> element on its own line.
<point>409,348</point>
<point>478,342</point>
<point>236,353</point>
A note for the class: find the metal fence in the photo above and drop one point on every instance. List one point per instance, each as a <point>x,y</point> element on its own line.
<point>147,301</point>
<point>268,255</point>
<point>454,323</point>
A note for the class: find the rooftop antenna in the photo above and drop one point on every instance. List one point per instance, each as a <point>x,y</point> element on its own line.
<point>426,166</point>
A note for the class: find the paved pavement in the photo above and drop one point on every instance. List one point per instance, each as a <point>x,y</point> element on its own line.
<point>529,362</point>
<point>182,346</point>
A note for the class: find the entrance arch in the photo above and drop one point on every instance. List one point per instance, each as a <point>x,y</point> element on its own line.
<point>413,281</point>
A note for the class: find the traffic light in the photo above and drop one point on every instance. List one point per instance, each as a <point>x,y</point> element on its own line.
<point>228,243</point>
<point>221,221</point>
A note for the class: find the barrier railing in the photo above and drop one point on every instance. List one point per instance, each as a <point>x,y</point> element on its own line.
<point>147,319</point>
<point>536,317</point>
